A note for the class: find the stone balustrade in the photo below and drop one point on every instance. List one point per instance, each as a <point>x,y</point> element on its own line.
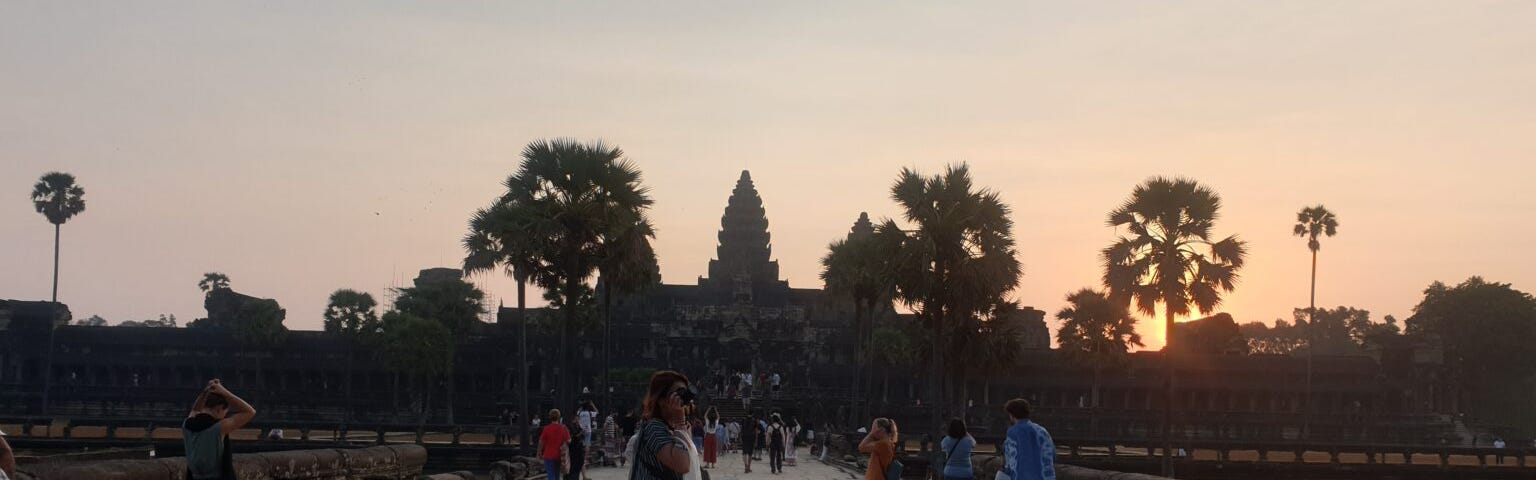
<point>394,462</point>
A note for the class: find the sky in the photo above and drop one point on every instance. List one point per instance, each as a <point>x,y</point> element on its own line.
<point>302,147</point>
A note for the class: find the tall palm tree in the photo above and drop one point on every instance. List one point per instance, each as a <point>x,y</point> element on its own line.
<point>955,262</point>
<point>507,234</point>
<point>1096,333</point>
<point>58,198</point>
<point>351,314</point>
<point>1312,222</point>
<point>580,191</point>
<point>857,267</point>
<point>628,265</point>
<point>1171,259</point>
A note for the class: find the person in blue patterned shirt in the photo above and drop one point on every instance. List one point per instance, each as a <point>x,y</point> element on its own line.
<point>1028,452</point>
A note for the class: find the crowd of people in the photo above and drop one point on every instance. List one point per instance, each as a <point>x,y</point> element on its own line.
<point>670,439</point>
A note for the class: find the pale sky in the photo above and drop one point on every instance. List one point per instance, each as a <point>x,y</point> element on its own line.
<point>302,147</point>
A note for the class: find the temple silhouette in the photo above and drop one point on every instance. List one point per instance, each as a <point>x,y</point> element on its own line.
<point>740,317</point>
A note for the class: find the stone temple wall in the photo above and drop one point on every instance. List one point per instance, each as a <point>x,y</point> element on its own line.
<point>394,462</point>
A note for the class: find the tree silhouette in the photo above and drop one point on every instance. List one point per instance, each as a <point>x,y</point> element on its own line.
<point>580,195</point>
<point>627,266</point>
<point>1096,333</point>
<point>453,303</point>
<point>1488,332</point>
<point>1170,258</point>
<point>212,281</point>
<point>857,267</point>
<point>1312,222</point>
<point>417,348</point>
<point>955,263</point>
<point>507,234</point>
<point>350,313</point>
<point>58,198</point>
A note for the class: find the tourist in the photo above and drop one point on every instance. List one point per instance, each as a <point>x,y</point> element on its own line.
<point>696,430</point>
<point>748,442</point>
<point>577,454</point>
<point>712,431</point>
<point>1498,447</point>
<point>662,445</point>
<point>776,433</point>
<point>733,435</point>
<point>7,459</point>
<point>611,431</point>
<point>552,447</point>
<point>585,417</point>
<point>1028,452</point>
<point>792,432</point>
<point>205,433</point>
<point>957,447</point>
<point>773,381</point>
<point>747,391</point>
<point>762,438</point>
<point>880,444</point>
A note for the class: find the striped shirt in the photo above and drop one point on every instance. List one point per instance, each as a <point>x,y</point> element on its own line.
<point>654,435</point>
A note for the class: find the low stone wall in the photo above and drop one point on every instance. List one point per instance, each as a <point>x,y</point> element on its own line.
<point>393,462</point>
<point>985,466</point>
<point>844,448</point>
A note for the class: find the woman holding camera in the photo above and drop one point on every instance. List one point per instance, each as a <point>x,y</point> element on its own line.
<point>663,449</point>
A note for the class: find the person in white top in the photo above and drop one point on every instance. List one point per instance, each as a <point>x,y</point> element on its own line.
<point>585,417</point>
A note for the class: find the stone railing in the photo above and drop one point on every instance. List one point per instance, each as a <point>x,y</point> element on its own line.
<point>985,466</point>
<point>395,462</point>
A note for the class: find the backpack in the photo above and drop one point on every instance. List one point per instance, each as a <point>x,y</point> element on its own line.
<point>893,471</point>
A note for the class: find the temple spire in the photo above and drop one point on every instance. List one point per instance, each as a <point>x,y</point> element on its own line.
<point>862,228</point>
<point>744,247</point>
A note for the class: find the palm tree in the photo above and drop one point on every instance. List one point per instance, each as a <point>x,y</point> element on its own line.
<point>1170,258</point>
<point>628,265</point>
<point>956,262</point>
<point>580,192</point>
<point>1310,223</point>
<point>212,281</point>
<point>351,313</point>
<point>857,267</point>
<point>1096,333</point>
<point>506,234</point>
<point>58,198</point>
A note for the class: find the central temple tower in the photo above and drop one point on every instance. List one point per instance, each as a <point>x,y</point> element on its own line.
<point>742,256</point>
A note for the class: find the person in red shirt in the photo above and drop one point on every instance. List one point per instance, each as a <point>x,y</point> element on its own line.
<point>552,446</point>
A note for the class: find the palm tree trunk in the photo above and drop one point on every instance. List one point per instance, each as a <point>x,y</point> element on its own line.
<point>869,355</point>
<point>452,382</point>
<point>859,410</point>
<point>1168,395</point>
<point>48,371</point>
<point>1306,416</point>
<point>56,262</point>
<point>936,415</point>
<point>522,349</point>
<point>351,352</point>
<point>564,387</point>
<point>607,330</point>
